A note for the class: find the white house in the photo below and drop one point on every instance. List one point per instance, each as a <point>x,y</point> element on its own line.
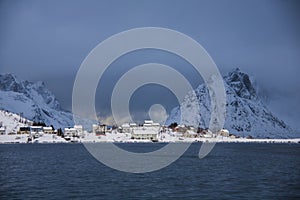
<point>224,132</point>
<point>79,129</point>
<point>36,131</point>
<point>148,123</point>
<point>207,134</point>
<point>144,133</point>
<point>126,128</point>
<point>70,132</point>
<point>2,131</point>
<point>149,131</point>
<point>133,125</point>
<point>48,130</point>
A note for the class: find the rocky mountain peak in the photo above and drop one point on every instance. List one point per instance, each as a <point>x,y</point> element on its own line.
<point>9,82</point>
<point>246,114</point>
<point>35,91</point>
<point>34,102</point>
<point>241,84</point>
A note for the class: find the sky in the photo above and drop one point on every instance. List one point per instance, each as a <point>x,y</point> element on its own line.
<point>48,41</point>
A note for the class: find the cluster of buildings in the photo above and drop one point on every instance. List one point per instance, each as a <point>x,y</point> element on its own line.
<point>149,130</point>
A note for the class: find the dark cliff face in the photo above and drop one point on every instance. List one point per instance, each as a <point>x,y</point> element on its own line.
<point>9,82</point>
<point>241,84</point>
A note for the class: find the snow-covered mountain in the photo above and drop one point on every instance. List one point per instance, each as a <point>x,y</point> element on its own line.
<point>32,101</point>
<point>246,113</point>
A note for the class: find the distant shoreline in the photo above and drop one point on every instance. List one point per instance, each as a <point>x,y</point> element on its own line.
<point>49,139</point>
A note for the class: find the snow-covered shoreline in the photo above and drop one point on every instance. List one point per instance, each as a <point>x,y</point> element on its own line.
<point>124,138</point>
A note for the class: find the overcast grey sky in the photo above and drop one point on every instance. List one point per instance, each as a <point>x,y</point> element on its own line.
<point>48,40</point>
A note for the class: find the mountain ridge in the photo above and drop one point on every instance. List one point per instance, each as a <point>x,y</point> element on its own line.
<point>34,102</point>
<point>246,113</point>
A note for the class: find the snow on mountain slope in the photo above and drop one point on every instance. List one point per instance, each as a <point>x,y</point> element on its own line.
<point>11,122</point>
<point>33,101</point>
<point>246,114</point>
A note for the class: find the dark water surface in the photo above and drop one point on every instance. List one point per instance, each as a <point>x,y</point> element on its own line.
<point>230,171</point>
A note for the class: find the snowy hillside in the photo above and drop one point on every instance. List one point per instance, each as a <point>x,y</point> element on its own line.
<point>246,114</point>
<point>33,101</point>
<point>11,122</point>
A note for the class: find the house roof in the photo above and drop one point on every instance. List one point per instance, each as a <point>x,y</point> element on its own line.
<point>143,131</point>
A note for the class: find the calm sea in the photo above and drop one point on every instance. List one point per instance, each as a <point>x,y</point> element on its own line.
<point>230,171</point>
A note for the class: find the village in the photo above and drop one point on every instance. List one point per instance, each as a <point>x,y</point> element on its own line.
<point>149,131</point>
